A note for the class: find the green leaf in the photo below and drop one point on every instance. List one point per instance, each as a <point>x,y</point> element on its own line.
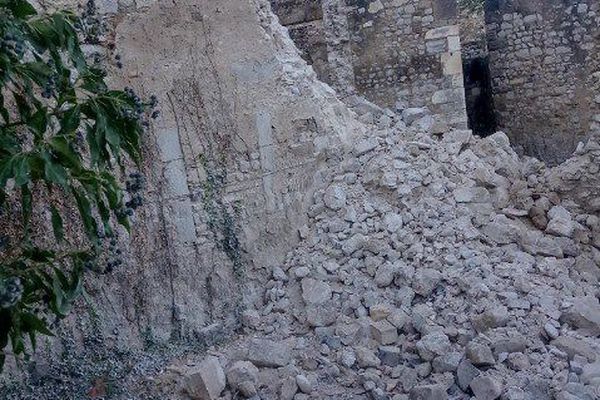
<point>67,154</point>
<point>85,211</point>
<point>54,172</point>
<point>22,170</point>
<point>93,80</point>
<point>8,142</point>
<point>38,71</point>
<point>6,170</point>
<point>32,323</point>
<point>20,8</point>
<point>70,120</point>
<point>57,225</point>
<point>39,255</point>
<point>39,122</point>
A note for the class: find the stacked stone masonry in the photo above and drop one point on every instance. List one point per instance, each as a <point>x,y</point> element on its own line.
<point>545,63</point>
<point>402,53</point>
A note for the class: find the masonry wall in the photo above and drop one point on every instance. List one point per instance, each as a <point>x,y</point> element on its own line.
<point>401,53</point>
<point>409,51</point>
<point>304,20</point>
<point>545,63</point>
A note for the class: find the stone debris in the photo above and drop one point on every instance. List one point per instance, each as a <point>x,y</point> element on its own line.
<point>243,377</point>
<point>207,381</point>
<point>267,353</point>
<point>431,267</point>
<point>486,388</point>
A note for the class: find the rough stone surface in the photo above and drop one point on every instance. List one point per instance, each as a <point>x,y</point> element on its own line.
<point>207,381</point>
<point>267,353</point>
<point>557,46</point>
<point>486,388</point>
<point>432,248</point>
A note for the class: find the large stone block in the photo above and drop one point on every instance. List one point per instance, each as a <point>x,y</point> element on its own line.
<point>207,381</point>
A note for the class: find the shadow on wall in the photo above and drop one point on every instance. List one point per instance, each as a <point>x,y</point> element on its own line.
<point>478,93</point>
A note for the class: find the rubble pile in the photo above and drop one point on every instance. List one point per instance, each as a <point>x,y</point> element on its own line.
<point>433,267</point>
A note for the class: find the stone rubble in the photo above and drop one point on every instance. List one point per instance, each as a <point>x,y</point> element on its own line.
<point>433,267</point>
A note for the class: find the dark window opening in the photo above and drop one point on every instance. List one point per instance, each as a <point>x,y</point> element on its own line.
<point>478,91</point>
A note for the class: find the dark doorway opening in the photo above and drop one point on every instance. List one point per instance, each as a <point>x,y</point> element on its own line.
<point>478,91</point>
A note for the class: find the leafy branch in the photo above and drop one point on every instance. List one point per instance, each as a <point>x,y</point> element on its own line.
<point>65,141</point>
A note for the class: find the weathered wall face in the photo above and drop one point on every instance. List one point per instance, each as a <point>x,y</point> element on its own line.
<point>398,51</point>
<point>245,131</point>
<point>545,62</point>
<point>235,164</point>
<point>409,51</point>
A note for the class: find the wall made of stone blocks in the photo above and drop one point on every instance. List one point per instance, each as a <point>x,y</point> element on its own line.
<point>393,52</point>
<point>545,64</point>
<point>409,51</point>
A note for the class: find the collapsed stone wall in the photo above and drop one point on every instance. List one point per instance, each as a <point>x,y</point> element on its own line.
<point>407,265</point>
<point>395,53</point>
<point>230,171</point>
<point>545,62</point>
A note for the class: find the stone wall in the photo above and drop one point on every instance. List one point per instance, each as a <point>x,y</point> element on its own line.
<point>404,53</point>
<point>409,51</point>
<point>545,63</point>
<point>230,169</point>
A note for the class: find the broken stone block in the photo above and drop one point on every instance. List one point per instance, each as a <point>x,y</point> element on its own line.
<point>428,392</point>
<point>251,318</point>
<point>410,115</point>
<point>590,372</point>
<point>447,362</point>
<point>398,318</point>
<point>267,353</point>
<point>538,217</point>
<point>384,332</point>
<point>472,195</point>
<point>512,344</point>
<point>584,314</point>
<point>465,374</point>
<point>480,355</point>
<point>379,312</point>
<point>207,381</point>
<point>425,280</point>
<point>385,274</point>
<point>242,376</point>
<point>561,222</point>
<point>393,222</point>
<point>353,244</point>
<point>518,361</point>
<point>304,384</point>
<point>366,358</point>
<point>288,389</point>
<point>315,291</point>
<point>573,346</point>
<point>390,355</point>
<point>493,318</point>
<point>335,197</point>
<point>365,146</point>
<point>433,345</point>
<point>319,315</point>
<point>486,388</point>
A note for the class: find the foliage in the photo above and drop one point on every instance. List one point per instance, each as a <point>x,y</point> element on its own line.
<point>65,138</point>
